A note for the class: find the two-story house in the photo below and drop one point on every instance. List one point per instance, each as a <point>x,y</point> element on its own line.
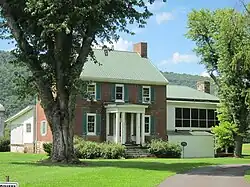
<point>128,102</point>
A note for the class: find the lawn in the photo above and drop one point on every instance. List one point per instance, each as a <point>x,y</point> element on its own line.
<point>246,149</point>
<point>130,172</point>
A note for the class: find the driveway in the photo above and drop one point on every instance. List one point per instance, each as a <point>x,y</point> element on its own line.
<point>228,176</point>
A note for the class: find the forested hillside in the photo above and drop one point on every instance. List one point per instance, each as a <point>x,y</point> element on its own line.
<point>9,97</point>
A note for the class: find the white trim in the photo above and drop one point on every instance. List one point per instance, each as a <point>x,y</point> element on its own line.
<point>123,92</point>
<point>128,108</point>
<point>147,116</point>
<point>92,84</point>
<point>17,115</point>
<point>194,102</point>
<point>149,87</point>
<point>46,127</point>
<point>124,81</point>
<point>91,133</point>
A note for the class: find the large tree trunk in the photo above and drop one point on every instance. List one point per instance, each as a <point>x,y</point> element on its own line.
<point>238,146</point>
<point>61,122</point>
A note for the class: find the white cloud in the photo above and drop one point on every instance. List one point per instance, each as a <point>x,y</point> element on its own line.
<point>121,45</point>
<point>205,74</point>
<point>164,17</point>
<point>181,58</point>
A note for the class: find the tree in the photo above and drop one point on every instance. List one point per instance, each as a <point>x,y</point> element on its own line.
<point>54,40</point>
<point>223,41</point>
<point>224,135</point>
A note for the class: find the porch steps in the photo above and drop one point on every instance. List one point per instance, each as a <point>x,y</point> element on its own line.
<point>136,152</point>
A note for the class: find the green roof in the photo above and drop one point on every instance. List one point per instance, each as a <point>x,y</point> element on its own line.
<point>122,67</point>
<point>184,92</point>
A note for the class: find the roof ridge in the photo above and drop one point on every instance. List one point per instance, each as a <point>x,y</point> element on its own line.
<point>115,50</point>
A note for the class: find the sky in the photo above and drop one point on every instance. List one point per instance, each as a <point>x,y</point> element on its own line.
<point>168,48</point>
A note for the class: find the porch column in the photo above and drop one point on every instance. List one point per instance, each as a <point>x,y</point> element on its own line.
<point>107,125</point>
<point>138,124</point>
<point>117,127</point>
<point>132,124</point>
<point>142,128</point>
<point>114,125</point>
<point>123,128</point>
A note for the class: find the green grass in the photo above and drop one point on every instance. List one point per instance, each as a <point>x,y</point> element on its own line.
<point>246,149</point>
<point>24,169</point>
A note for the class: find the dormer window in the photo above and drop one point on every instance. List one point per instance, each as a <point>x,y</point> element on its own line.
<point>119,93</point>
<point>146,94</point>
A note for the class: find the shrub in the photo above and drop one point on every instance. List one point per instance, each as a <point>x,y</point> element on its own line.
<point>112,150</point>
<point>47,147</point>
<point>4,145</point>
<point>87,149</point>
<point>164,149</point>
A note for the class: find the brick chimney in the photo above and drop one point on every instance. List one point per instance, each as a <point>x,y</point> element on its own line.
<point>203,86</point>
<point>142,49</point>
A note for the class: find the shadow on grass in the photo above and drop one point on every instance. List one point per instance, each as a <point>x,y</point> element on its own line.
<point>144,165</point>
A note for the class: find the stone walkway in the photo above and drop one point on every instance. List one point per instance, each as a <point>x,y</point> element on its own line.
<point>216,176</point>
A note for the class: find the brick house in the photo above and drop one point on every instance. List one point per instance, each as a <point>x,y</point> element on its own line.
<point>128,102</point>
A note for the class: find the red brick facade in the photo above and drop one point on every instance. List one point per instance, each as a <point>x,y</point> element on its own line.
<point>157,109</point>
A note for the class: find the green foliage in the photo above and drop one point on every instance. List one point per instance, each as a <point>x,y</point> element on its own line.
<point>112,150</point>
<point>4,144</point>
<point>47,147</point>
<point>222,40</point>
<point>224,134</point>
<point>90,150</point>
<point>164,149</point>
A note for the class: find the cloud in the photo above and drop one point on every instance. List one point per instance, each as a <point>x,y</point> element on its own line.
<point>164,17</point>
<point>205,74</point>
<point>178,58</point>
<point>121,45</point>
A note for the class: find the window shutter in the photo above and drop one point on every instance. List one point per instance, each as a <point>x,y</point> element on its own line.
<point>98,91</point>
<point>84,124</point>
<point>126,93</point>
<point>139,96</point>
<point>98,124</point>
<point>152,127</point>
<point>112,92</point>
<point>152,94</point>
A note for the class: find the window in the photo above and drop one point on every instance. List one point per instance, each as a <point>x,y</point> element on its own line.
<point>119,92</point>
<point>91,124</point>
<point>28,127</point>
<point>91,90</point>
<point>43,128</point>
<point>195,118</point>
<point>147,125</point>
<point>146,95</point>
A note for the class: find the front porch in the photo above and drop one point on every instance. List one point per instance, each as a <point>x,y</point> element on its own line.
<point>125,123</point>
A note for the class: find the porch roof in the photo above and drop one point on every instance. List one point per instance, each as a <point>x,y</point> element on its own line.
<point>125,107</point>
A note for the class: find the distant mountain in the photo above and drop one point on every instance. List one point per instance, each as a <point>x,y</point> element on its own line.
<point>188,80</point>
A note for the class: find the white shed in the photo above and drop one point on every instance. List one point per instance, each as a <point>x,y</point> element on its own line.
<point>22,130</point>
<point>200,144</point>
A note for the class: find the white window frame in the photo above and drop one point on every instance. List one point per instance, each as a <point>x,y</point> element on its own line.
<point>91,133</point>
<point>26,125</point>
<point>92,84</point>
<point>46,127</point>
<point>143,97</point>
<point>148,133</point>
<point>123,92</point>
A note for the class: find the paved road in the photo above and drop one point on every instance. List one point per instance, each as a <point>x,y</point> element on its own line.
<point>216,176</point>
